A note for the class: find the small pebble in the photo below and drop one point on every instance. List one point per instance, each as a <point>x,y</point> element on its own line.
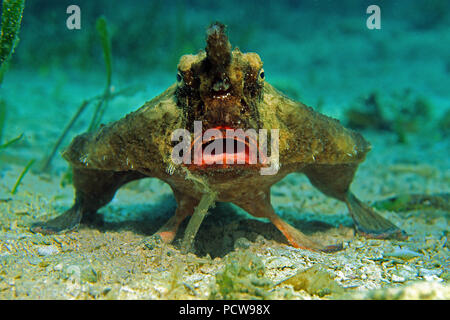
<point>47,250</point>
<point>396,278</point>
<point>279,263</point>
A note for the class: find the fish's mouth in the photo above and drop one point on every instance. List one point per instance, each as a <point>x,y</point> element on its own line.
<point>221,95</point>
<point>225,151</point>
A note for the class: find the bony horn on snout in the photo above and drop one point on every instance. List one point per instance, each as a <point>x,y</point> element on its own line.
<point>218,48</point>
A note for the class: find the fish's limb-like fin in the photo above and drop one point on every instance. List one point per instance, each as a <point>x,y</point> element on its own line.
<point>369,223</point>
<point>94,189</point>
<point>334,181</point>
<point>185,208</point>
<point>262,208</point>
<point>65,222</point>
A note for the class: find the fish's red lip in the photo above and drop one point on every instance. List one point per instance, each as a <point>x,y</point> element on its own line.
<point>250,145</point>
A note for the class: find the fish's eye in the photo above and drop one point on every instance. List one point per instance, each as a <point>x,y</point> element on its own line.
<point>179,76</point>
<point>261,74</point>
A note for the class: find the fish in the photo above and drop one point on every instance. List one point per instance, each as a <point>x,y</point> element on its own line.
<point>223,110</point>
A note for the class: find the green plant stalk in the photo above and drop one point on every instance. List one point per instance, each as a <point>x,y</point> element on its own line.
<point>22,175</point>
<point>10,142</point>
<point>105,39</point>
<point>12,11</point>
<point>102,29</point>
<point>3,68</point>
<point>102,110</point>
<point>98,111</point>
<point>200,212</point>
<point>2,118</point>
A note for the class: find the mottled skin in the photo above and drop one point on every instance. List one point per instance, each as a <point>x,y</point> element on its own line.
<point>222,88</point>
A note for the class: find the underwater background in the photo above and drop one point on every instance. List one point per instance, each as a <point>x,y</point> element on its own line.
<point>391,84</point>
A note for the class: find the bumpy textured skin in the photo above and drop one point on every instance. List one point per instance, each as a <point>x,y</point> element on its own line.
<point>222,88</point>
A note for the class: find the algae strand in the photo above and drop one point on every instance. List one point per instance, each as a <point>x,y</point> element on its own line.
<point>2,118</point>
<point>10,142</point>
<point>102,29</point>
<point>207,201</point>
<point>105,39</point>
<point>22,175</point>
<point>200,212</point>
<point>12,11</point>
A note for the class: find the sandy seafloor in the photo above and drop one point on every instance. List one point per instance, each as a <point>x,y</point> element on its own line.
<point>332,63</point>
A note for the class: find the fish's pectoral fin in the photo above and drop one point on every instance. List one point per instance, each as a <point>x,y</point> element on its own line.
<point>369,223</point>
<point>262,208</point>
<point>299,240</point>
<point>66,222</point>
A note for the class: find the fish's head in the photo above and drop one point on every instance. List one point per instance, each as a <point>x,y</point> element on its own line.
<point>219,86</point>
